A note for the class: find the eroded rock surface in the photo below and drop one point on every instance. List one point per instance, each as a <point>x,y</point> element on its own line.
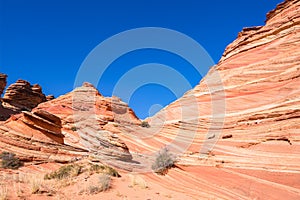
<point>237,133</point>
<point>239,129</point>
<point>23,96</point>
<point>71,126</point>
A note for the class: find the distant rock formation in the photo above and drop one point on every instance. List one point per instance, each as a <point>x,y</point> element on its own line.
<point>4,112</point>
<point>2,83</point>
<point>50,97</point>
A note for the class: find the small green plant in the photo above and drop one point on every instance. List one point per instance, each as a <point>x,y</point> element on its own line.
<point>9,161</point>
<point>73,128</point>
<point>104,169</point>
<point>164,161</point>
<point>145,124</point>
<point>64,172</point>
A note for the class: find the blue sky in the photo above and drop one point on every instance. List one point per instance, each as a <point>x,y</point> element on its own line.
<point>46,41</point>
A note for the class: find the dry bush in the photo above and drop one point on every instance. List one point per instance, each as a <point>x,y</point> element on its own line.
<point>36,184</point>
<point>103,184</point>
<point>94,189</point>
<point>164,161</point>
<point>104,169</point>
<point>3,193</point>
<point>104,180</point>
<point>138,181</point>
<point>9,161</point>
<point>65,172</point>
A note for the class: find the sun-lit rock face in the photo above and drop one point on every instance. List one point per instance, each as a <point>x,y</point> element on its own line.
<point>95,120</point>
<point>71,126</point>
<point>254,90</point>
<point>237,133</point>
<point>256,84</point>
<point>23,96</point>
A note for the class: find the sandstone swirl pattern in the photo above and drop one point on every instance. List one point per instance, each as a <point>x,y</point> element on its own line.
<point>255,156</point>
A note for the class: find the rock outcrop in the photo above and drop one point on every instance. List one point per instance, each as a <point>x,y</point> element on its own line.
<point>50,97</point>
<point>2,83</point>
<point>4,112</point>
<point>72,126</point>
<point>37,138</point>
<point>95,119</point>
<point>23,96</point>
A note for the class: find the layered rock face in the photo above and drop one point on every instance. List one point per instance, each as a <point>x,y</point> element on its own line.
<point>75,125</point>
<point>236,134</point>
<point>95,119</point>
<point>23,96</point>
<point>36,137</point>
<point>239,129</point>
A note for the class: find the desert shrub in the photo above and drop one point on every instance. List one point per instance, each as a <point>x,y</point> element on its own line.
<point>137,181</point>
<point>104,180</point>
<point>65,172</point>
<point>35,184</point>
<point>145,124</point>
<point>3,193</point>
<point>104,169</point>
<point>9,161</point>
<point>102,185</point>
<point>164,161</point>
<point>94,189</point>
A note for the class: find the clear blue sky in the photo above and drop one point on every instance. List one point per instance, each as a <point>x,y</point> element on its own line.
<point>45,41</point>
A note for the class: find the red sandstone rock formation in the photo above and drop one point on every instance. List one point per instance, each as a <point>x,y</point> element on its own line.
<point>23,96</point>
<point>66,128</point>
<point>50,97</point>
<point>238,131</point>
<point>2,82</point>
<point>4,112</point>
<point>95,119</point>
<point>255,153</point>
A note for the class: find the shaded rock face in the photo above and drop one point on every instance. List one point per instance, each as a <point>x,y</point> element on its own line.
<point>2,82</point>
<point>50,97</point>
<point>4,112</point>
<point>23,96</point>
